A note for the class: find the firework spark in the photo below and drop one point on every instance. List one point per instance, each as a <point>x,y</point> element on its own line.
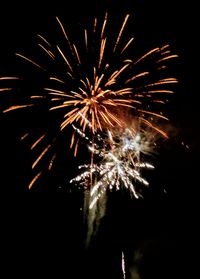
<point>2,79</point>
<point>96,80</point>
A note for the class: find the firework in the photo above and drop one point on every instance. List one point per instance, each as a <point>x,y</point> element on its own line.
<point>96,80</point>
<point>120,158</point>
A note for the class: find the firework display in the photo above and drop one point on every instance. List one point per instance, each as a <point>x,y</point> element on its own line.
<point>101,97</point>
<point>97,81</point>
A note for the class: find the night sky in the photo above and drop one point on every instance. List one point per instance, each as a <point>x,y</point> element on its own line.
<point>43,230</point>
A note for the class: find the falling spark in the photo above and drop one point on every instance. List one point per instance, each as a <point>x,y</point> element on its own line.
<point>6,89</point>
<point>167,58</point>
<point>24,136</point>
<point>121,32</point>
<point>37,142</point>
<point>146,55</point>
<point>41,156</point>
<point>34,180</point>
<point>9,78</point>
<point>29,60</point>
<point>12,108</point>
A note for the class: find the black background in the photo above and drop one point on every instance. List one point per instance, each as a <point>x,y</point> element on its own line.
<point>43,230</point>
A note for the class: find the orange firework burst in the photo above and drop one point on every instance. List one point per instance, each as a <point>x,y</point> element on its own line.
<point>97,79</point>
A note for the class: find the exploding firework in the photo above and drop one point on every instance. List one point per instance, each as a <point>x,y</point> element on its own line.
<point>120,159</point>
<point>97,79</point>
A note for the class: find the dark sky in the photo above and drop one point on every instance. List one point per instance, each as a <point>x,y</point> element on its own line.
<point>46,226</point>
